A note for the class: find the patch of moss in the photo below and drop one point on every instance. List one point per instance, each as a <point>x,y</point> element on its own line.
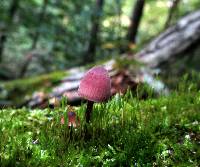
<point>125,131</point>
<point>124,63</point>
<point>18,89</point>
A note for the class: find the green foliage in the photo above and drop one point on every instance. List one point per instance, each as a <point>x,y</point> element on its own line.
<point>64,31</point>
<point>125,131</point>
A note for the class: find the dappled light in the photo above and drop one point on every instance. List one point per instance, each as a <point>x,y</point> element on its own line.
<point>99,83</point>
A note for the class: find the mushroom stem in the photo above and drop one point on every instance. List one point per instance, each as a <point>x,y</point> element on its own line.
<point>89,110</point>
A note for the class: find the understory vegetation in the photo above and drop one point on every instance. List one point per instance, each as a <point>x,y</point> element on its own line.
<point>125,131</point>
<point>150,50</point>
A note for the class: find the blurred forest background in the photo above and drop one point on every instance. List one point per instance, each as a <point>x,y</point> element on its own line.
<point>43,36</point>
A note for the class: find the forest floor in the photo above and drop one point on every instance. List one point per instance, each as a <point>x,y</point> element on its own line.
<point>125,131</point>
<point>18,91</point>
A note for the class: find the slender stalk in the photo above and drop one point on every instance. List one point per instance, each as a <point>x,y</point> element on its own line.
<point>89,111</point>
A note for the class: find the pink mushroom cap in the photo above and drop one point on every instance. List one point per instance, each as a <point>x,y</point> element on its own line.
<point>95,85</point>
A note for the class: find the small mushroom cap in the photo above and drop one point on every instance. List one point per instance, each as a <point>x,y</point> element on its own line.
<point>95,85</point>
<point>71,119</point>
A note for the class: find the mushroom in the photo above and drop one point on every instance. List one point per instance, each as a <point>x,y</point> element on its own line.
<point>95,86</point>
<point>72,119</point>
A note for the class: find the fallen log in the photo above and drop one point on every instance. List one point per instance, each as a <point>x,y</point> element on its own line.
<point>121,80</point>
<point>167,45</point>
<point>171,43</point>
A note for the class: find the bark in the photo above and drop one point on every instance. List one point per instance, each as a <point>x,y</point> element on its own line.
<point>3,37</point>
<point>135,20</point>
<point>40,20</point>
<point>172,9</point>
<point>89,56</point>
<point>171,43</point>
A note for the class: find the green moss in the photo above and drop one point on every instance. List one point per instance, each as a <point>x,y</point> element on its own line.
<point>125,131</point>
<point>124,63</point>
<point>17,90</point>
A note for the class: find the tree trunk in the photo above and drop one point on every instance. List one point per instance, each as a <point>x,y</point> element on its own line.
<point>3,37</point>
<point>135,20</point>
<point>172,9</point>
<point>89,56</point>
<point>36,36</point>
<point>25,64</point>
<point>172,42</point>
<point>2,41</point>
<point>40,20</point>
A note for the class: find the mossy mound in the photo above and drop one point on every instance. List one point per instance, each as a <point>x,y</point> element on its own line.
<point>125,131</point>
<point>17,91</point>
